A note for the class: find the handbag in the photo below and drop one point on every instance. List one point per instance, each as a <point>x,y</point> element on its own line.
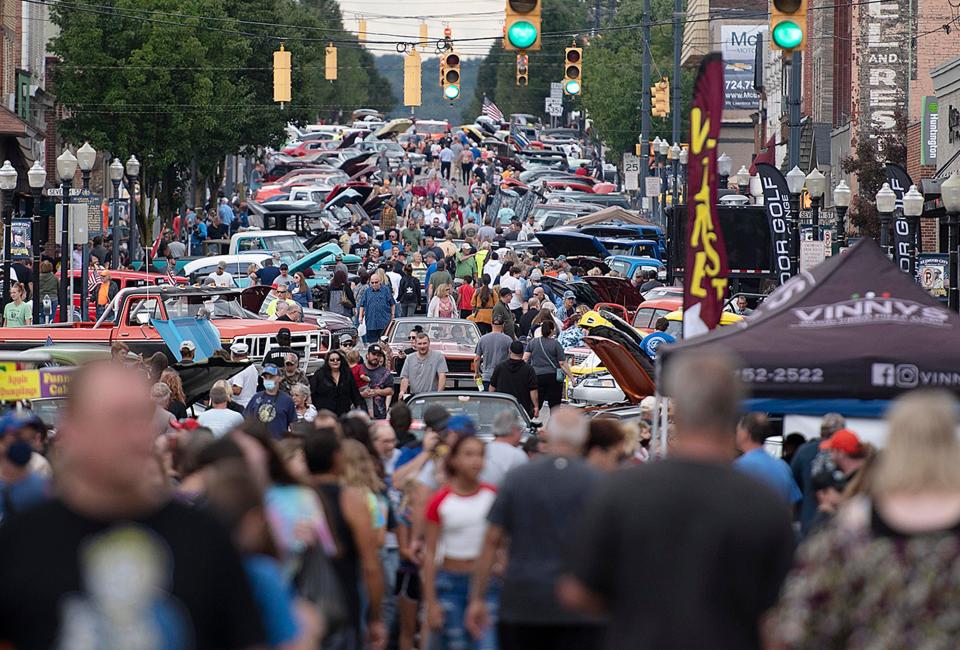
<point>559,371</point>
<point>317,582</point>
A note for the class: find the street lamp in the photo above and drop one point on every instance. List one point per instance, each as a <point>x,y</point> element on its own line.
<point>912,210</point>
<point>8,183</point>
<point>743,179</point>
<point>66,170</point>
<point>684,158</point>
<point>886,204</point>
<point>756,188</point>
<point>664,152</point>
<point>133,171</point>
<point>724,167</point>
<point>841,201</point>
<point>116,175</point>
<point>950,195</point>
<point>675,162</point>
<point>36,177</point>
<point>795,180</point>
<point>86,158</point>
<point>816,186</point>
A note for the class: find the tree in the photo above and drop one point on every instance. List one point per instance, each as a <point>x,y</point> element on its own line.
<point>870,155</point>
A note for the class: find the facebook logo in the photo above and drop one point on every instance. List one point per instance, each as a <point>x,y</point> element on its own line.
<point>883,374</point>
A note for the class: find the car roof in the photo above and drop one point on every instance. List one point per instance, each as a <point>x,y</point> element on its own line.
<point>726,317</point>
<point>662,303</point>
<point>214,259</point>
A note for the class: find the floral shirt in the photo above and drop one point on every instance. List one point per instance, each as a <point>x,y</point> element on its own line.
<point>858,584</point>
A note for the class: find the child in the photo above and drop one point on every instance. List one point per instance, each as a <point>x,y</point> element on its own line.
<point>359,376</point>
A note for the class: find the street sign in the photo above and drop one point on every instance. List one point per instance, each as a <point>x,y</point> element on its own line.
<point>58,191</point>
<point>827,242</point>
<point>556,90</point>
<point>631,172</point>
<point>553,106</point>
<point>651,186</point>
<point>811,254</point>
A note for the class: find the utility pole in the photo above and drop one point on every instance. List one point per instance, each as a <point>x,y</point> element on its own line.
<point>596,17</point>
<point>645,100</point>
<point>793,144</point>
<point>675,82</point>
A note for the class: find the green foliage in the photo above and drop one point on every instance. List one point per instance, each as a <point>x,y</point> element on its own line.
<point>870,155</point>
<point>434,106</point>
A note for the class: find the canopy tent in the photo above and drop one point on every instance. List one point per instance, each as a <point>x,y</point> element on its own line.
<point>853,327</point>
<point>613,213</point>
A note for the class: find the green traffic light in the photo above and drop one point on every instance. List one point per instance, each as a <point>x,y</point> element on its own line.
<point>451,92</point>
<point>787,35</point>
<point>572,87</point>
<point>522,34</point>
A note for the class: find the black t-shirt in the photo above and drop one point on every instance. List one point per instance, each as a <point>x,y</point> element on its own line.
<point>526,321</point>
<point>360,250</point>
<point>515,377</point>
<point>278,355</point>
<point>686,555</point>
<point>171,578</point>
<point>220,231</point>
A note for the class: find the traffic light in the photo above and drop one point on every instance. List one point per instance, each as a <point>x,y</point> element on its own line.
<point>281,76</point>
<point>521,27</point>
<point>411,79</point>
<point>660,102</point>
<point>330,63</point>
<point>361,29</point>
<point>573,70</point>
<point>523,70</point>
<point>788,24</point>
<point>450,74</point>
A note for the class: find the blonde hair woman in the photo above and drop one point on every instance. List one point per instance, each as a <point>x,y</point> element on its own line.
<point>360,472</point>
<point>885,573</point>
<point>442,305</point>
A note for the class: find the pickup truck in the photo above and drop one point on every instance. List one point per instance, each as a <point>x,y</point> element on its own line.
<point>132,315</point>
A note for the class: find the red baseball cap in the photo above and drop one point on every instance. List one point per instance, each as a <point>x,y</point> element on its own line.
<point>843,440</point>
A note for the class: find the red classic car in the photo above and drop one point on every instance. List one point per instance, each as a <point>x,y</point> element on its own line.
<point>456,338</point>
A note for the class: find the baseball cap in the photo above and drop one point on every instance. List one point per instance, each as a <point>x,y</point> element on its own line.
<point>436,417</point>
<point>221,264</point>
<point>270,369</point>
<point>240,348</point>
<point>536,274</point>
<point>462,424</point>
<point>827,475</point>
<point>569,294</point>
<point>283,331</point>
<point>346,338</point>
<point>465,246</point>
<point>843,440</point>
<point>375,349</point>
<point>516,347</point>
<point>188,345</point>
<point>506,291</point>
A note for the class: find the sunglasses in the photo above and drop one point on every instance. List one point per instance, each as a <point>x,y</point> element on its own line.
<point>290,363</point>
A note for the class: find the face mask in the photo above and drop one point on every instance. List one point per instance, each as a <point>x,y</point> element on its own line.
<point>269,384</point>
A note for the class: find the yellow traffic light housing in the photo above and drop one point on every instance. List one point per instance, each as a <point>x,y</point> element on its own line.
<point>573,70</point>
<point>660,104</point>
<point>450,74</point>
<point>521,27</point>
<point>330,63</point>
<point>523,70</point>
<point>788,24</point>
<point>411,79</point>
<point>281,75</point>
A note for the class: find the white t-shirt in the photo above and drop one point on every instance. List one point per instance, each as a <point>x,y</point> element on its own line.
<point>511,282</point>
<point>500,458</point>
<point>221,279</point>
<point>246,379</point>
<point>220,421</point>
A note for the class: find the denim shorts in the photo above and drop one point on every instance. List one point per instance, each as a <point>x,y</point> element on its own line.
<point>453,592</point>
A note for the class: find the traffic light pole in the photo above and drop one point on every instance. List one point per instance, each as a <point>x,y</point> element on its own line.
<point>645,102</point>
<point>793,144</point>
<point>675,82</point>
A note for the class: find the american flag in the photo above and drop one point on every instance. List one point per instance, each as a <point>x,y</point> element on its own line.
<point>522,141</point>
<point>490,110</point>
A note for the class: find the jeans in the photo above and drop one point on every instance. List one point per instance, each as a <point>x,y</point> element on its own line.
<point>453,592</point>
<point>445,170</point>
<point>390,560</point>
<point>372,336</point>
<point>408,308</point>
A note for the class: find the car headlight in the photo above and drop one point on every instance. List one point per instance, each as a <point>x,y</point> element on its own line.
<point>599,382</point>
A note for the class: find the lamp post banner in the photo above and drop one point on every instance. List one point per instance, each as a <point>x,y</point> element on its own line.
<point>776,198</point>
<point>903,235</point>
<point>705,282</point>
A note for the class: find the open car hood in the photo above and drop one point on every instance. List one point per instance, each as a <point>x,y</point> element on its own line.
<point>633,374</point>
<point>585,295</point>
<point>198,378</point>
<point>571,243</point>
<point>399,125</point>
<point>252,298</point>
<point>351,166</point>
<point>615,290</point>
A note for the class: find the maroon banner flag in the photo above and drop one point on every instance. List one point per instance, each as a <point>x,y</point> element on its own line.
<point>705,281</point>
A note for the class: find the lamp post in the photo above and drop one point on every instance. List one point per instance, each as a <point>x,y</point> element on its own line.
<point>724,167</point>
<point>675,166</point>
<point>841,201</point>
<point>795,180</point>
<point>66,169</point>
<point>816,187</point>
<point>950,194</point>
<point>116,175</point>
<point>756,189</point>
<point>8,183</point>
<point>684,158</point>
<point>743,179</point>
<point>86,158</point>
<point>133,172</point>
<point>664,153</point>
<point>37,177</point>
<point>912,210</point>
<point>886,204</point>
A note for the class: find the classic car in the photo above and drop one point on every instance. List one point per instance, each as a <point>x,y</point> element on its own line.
<point>135,313</point>
<point>456,338</point>
<point>123,280</point>
<point>649,311</point>
<point>481,408</point>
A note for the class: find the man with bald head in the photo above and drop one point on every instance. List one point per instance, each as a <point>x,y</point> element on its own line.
<point>686,552</point>
<point>112,560</point>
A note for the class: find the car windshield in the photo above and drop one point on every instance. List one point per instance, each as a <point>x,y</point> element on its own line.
<point>478,406</point>
<point>457,331</point>
<point>620,266</point>
<point>629,248</point>
<point>219,306</point>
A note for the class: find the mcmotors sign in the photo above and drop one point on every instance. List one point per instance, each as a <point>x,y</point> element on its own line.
<point>884,63</point>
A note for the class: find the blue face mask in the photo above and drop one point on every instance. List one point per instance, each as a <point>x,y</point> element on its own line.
<point>269,384</point>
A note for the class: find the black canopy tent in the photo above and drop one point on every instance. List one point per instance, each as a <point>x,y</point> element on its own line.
<point>854,327</point>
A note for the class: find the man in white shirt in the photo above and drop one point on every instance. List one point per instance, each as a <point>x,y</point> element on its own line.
<point>511,280</point>
<point>218,418</point>
<point>220,277</point>
<point>244,383</point>
<point>395,279</point>
<point>502,454</point>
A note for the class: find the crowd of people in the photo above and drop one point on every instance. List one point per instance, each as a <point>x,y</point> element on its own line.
<point>351,531</point>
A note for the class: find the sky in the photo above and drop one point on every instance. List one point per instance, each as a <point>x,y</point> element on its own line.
<point>468,19</point>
